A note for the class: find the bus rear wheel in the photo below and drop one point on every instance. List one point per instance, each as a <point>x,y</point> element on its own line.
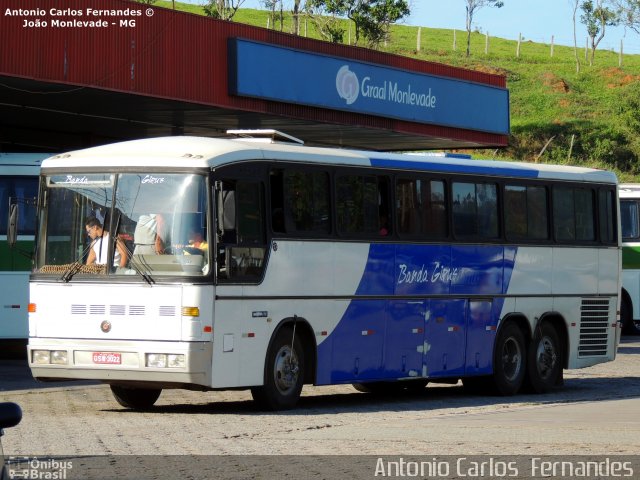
<point>135,398</point>
<point>544,362</point>
<point>629,326</point>
<point>284,373</point>
<point>509,360</point>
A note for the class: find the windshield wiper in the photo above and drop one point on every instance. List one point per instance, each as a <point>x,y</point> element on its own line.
<point>141,269</point>
<point>75,267</point>
<point>135,264</point>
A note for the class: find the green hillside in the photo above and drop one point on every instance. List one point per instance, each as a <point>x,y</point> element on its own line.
<point>589,118</point>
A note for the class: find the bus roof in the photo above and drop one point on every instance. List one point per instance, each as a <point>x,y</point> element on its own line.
<point>21,163</point>
<point>203,152</point>
<point>629,190</point>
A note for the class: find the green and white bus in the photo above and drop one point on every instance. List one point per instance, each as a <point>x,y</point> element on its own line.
<point>630,225</point>
<point>18,186</point>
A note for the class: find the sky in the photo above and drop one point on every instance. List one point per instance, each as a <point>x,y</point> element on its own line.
<point>536,20</point>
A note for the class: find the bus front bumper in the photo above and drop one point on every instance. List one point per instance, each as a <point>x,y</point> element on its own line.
<point>163,364</point>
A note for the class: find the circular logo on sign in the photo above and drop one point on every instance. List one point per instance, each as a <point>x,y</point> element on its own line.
<point>105,326</point>
<point>347,85</point>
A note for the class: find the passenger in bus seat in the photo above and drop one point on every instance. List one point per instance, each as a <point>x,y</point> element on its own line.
<point>197,244</point>
<point>147,237</point>
<point>100,245</point>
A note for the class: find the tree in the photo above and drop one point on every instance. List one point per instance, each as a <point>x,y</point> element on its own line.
<point>222,9</point>
<point>372,18</point>
<point>629,13</point>
<point>472,7</point>
<point>274,16</point>
<point>326,20</point>
<point>574,5</point>
<point>596,17</point>
<point>298,6</point>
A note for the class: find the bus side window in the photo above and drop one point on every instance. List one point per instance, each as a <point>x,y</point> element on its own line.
<point>475,210</point>
<point>629,219</point>
<point>242,236</point>
<point>362,205</point>
<point>607,212</point>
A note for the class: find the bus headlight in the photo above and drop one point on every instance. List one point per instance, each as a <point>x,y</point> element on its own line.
<point>49,357</point>
<point>59,357</point>
<point>157,360</point>
<point>175,361</point>
<point>41,357</point>
<point>164,360</point>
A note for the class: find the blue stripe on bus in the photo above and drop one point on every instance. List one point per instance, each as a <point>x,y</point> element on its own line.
<point>445,167</point>
<point>383,339</point>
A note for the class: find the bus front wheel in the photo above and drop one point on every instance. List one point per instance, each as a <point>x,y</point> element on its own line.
<point>135,398</point>
<point>509,360</point>
<point>284,373</point>
<point>544,362</point>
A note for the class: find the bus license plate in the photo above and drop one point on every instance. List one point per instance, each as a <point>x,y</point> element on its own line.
<point>107,358</point>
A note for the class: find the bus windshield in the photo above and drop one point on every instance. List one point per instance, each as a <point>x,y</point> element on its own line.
<point>123,224</point>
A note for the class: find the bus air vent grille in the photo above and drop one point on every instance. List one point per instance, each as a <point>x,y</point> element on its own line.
<point>78,309</point>
<point>136,310</point>
<point>167,311</point>
<point>594,327</point>
<point>117,309</point>
<point>97,309</point>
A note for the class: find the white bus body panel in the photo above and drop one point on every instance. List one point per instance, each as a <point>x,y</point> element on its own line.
<point>14,300</point>
<point>83,319</point>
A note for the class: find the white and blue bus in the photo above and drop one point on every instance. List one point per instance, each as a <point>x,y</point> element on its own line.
<point>268,265</point>
<point>18,185</point>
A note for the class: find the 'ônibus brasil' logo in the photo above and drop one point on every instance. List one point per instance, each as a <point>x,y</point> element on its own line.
<point>347,85</point>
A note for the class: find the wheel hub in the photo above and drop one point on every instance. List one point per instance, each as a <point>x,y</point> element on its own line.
<point>511,359</point>
<point>286,370</point>
<point>546,357</point>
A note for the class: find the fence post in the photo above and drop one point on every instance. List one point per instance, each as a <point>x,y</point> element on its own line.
<point>454,40</point>
<point>552,45</point>
<point>486,43</point>
<point>518,47</point>
<point>418,41</point>
<point>621,53</point>
<point>573,137</point>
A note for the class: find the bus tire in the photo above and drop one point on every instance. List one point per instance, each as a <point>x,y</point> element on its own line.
<point>544,359</point>
<point>135,398</point>
<point>629,326</point>
<point>284,373</point>
<point>509,360</point>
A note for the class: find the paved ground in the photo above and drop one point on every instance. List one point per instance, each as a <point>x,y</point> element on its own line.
<point>595,413</point>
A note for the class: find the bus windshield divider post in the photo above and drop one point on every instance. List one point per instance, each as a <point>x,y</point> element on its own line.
<point>12,232</point>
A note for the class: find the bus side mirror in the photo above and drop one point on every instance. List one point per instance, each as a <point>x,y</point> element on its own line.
<point>12,231</point>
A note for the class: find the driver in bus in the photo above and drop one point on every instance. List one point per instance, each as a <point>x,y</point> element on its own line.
<point>100,245</point>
